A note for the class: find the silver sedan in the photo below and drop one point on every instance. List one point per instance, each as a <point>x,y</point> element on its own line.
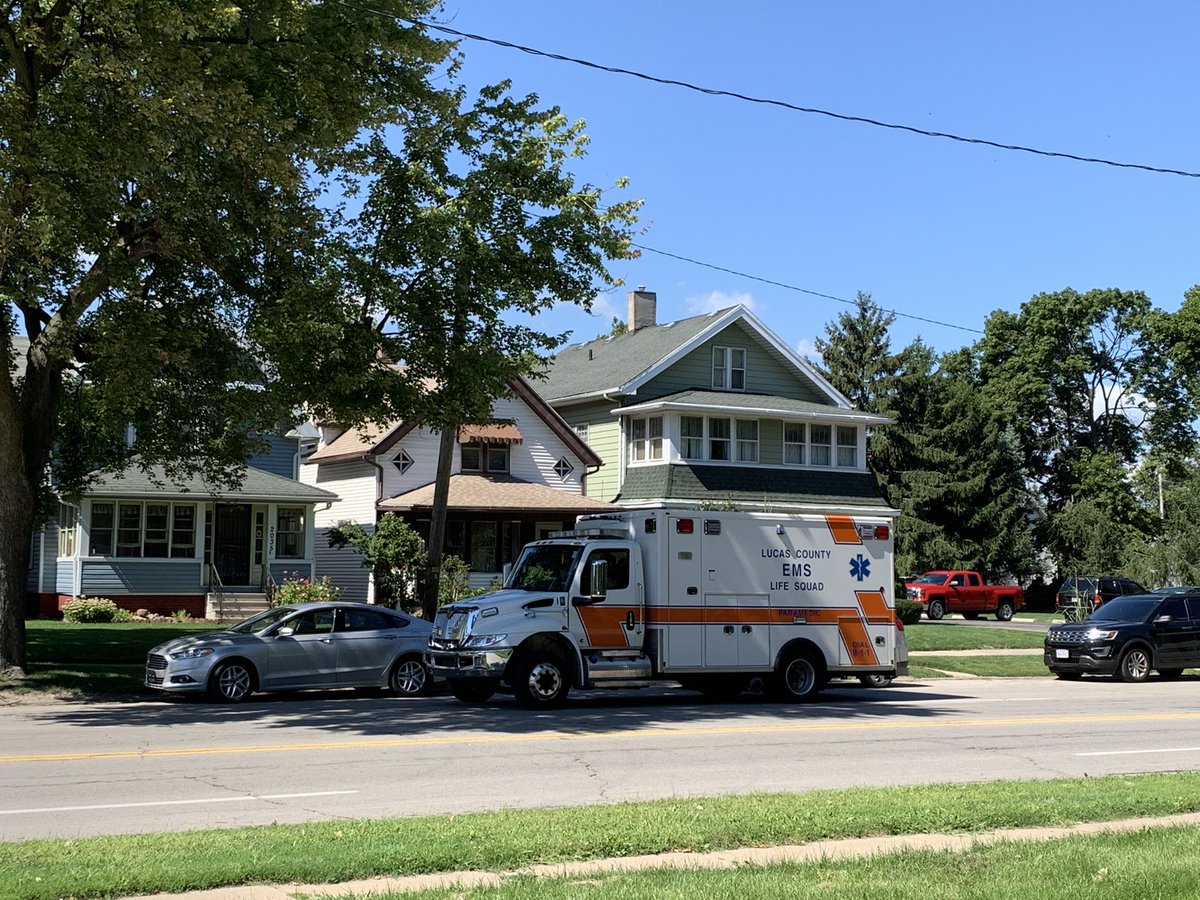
<point>304,645</point>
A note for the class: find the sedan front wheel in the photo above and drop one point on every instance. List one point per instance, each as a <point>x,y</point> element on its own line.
<point>231,681</point>
<point>409,678</point>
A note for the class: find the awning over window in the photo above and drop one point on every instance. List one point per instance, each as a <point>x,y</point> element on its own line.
<point>494,433</point>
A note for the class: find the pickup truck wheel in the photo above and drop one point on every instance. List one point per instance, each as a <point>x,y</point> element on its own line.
<point>936,609</point>
<point>541,682</point>
<point>1134,665</point>
<point>472,690</point>
<point>800,677</point>
<point>1004,612</point>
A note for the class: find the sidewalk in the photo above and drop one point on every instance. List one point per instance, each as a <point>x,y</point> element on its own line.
<point>851,848</point>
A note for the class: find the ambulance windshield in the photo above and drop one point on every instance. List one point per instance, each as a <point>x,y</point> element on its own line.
<point>545,568</point>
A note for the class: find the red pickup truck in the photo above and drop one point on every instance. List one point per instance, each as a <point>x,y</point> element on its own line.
<point>964,592</point>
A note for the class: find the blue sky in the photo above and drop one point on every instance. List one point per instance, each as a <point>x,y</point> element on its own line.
<point>933,229</point>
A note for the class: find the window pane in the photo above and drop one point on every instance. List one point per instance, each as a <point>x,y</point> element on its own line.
<point>691,429</point>
<point>101,532</point>
<point>718,439</point>
<point>472,459</point>
<point>129,529</point>
<point>820,439</point>
<point>656,435</point>
<point>497,459</point>
<point>289,527</point>
<point>183,532</point>
<point>155,544</point>
<point>747,432</point>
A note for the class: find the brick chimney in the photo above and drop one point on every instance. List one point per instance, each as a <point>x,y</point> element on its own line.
<point>643,308</point>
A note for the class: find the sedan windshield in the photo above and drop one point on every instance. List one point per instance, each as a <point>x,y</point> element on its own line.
<point>546,568</point>
<point>933,578</point>
<point>263,620</point>
<point>1126,609</point>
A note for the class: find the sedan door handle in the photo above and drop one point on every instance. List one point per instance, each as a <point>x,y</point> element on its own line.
<point>326,640</point>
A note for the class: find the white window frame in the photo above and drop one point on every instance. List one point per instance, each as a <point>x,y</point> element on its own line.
<point>691,446</point>
<point>747,445</point>
<point>846,453</point>
<point>800,447</point>
<point>68,520</point>
<point>728,367</point>
<point>646,439</point>
<point>820,453</point>
<point>115,545</point>
<point>302,532</point>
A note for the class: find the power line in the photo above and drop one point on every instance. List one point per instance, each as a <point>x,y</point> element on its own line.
<point>800,290</point>
<point>717,92</point>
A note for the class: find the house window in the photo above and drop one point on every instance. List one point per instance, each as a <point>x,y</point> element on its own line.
<point>718,439</point>
<point>793,443</point>
<point>129,529</point>
<point>691,437</point>
<point>646,439</point>
<point>563,467</point>
<point>747,440</point>
<point>289,532</point>
<point>847,446</point>
<point>155,544</point>
<point>729,368</point>
<point>820,445</point>
<point>497,458</point>
<point>101,532</point>
<point>471,458</point>
<point>183,532</point>
<point>582,430</point>
<point>403,462</point>
<point>67,519</point>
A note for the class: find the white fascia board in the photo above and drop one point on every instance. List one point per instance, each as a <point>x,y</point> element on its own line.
<point>834,415</point>
<point>798,361</point>
<point>782,506</point>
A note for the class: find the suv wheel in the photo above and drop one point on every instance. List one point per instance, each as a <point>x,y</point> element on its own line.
<point>1135,665</point>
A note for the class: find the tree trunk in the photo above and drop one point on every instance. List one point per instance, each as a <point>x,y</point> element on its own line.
<point>16,526</point>
<point>437,521</point>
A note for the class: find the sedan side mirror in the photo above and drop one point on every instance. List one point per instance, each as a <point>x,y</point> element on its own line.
<point>285,631</point>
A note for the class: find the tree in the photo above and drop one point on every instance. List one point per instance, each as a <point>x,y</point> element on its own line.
<point>856,354</point>
<point>1088,383</point>
<point>473,227</point>
<point>160,231</point>
<point>394,553</point>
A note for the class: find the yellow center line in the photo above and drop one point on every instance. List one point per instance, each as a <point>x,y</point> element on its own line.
<point>467,739</point>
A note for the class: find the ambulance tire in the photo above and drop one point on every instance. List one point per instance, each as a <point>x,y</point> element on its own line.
<point>936,609</point>
<point>542,681</point>
<point>801,676</point>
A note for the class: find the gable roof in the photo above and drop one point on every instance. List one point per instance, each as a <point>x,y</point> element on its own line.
<point>257,485</point>
<point>373,440</point>
<point>619,365</point>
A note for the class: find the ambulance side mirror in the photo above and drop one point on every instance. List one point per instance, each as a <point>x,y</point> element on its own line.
<point>599,572</point>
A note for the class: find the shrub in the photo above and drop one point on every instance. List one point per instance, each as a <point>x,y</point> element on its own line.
<point>123,615</point>
<point>306,590</point>
<point>909,611</point>
<point>83,610</point>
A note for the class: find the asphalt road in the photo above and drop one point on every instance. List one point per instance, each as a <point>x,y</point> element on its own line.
<point>73,770</point>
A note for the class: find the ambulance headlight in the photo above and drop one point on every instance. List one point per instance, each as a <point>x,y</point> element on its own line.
<point>483,640</point>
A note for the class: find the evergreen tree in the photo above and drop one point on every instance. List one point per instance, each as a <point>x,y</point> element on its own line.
<point>856,354</point>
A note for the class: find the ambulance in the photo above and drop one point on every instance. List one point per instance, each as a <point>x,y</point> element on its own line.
<point>714,600</point>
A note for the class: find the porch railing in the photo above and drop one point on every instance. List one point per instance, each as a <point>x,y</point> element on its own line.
<point>269,585</point>
<point>217,587</point>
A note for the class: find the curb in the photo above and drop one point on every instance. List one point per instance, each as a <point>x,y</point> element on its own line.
<point>849,848</point>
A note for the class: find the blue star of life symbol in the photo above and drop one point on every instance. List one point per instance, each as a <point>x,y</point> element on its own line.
<point>860,568</point>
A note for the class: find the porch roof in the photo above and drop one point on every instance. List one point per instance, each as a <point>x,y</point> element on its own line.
<point>485,493</point>
<point>256,486</point>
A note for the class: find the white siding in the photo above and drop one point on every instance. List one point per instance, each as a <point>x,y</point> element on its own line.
<point>534,458</point>
<point>353,482</point>
<point>421,445</point>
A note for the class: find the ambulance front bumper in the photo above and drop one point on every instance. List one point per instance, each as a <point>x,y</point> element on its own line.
<point>489,663</point>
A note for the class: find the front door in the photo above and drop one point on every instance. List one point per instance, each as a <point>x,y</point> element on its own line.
<point>231,550</point>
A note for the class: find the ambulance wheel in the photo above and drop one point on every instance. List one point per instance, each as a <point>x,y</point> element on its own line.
<point>541,681</point>
<point>878,681</point>
<point>801,676</point>
<point>937,609</point>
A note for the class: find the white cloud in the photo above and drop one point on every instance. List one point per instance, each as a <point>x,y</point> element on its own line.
<point>808,350</point>
<point>715,300</point>
<point>604,307</point>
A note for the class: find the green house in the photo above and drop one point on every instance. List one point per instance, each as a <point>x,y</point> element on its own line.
<point>714,411</point>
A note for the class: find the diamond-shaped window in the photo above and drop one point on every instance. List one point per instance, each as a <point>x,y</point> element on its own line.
<point>563,467</point>
<point>403,462</point>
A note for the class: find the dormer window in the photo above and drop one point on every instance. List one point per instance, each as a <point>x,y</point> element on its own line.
<point>491,458</point>
<point>729,369</point>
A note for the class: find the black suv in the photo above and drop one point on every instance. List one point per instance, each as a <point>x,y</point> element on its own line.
<point>1090,591</point>
<point>1128,637</point>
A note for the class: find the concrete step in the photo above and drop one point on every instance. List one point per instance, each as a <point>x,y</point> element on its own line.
<point>226,607</point>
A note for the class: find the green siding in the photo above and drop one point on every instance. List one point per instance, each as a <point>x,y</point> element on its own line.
<point>604,437</point>
<point>770,442</point>
<point>765,374</point>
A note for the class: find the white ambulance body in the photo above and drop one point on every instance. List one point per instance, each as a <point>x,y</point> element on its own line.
<point>711,599</point>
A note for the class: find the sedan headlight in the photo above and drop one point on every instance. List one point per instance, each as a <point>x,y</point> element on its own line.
<point>192,653</point>
<point>484,640</point>
<point>1101,634</point>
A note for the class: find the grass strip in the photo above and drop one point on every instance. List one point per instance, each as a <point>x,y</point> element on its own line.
<point>1159,864</point>
<point>120,643</point>
<point>982,666</point>
<point>330,852</point>
<point>963,637</point>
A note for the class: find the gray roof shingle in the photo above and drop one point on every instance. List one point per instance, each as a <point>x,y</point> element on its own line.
<point>256,486</point>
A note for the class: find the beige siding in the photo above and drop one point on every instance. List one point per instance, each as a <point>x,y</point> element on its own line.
<point>764,373</point>
<point>353,482</point>
<point>604,434</point>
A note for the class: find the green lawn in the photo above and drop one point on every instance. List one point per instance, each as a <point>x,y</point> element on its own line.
<point>973,637</point>
<point>124,644</point>
<point>983,666</point>
<point>341,850</point>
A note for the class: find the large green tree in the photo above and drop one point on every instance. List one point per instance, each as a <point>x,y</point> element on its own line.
<point>161,230</point>
<point>1089,382</point>
<point>474,226</point>
<point>856,354</point>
